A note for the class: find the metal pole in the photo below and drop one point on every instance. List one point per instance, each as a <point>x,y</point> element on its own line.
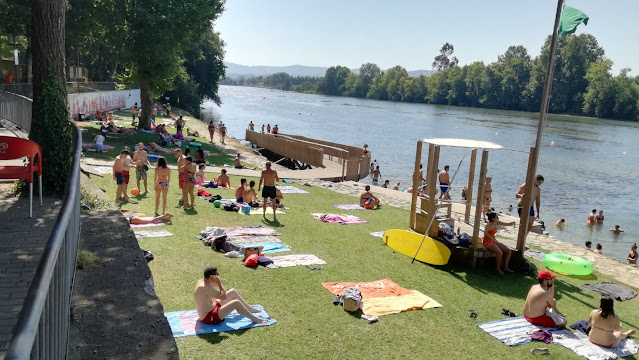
<point>532,166</point>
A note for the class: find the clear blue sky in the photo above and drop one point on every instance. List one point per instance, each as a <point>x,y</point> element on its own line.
<point>410,33</point>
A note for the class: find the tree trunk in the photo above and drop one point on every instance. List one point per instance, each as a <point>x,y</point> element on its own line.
<point>147,106</point>
<point>48,20</point>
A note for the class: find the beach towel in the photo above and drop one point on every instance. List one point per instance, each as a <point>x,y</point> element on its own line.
<point>611,289</point>
<point>103,169</point>
<point>186,323</point>
<point>287,181</point>
<point>260,211</point>
<point>238,231</point>
<point>270,247</point>
<point>341,219</point>
<point>395,304</point>
<point>252,239</point>
<point>152,233</point>
<point>515,330</point>
<point>373,289</point>
<point>378,234</point>
<point>537,255</point>
<point>90,146</point>
<point>579,343</point>
<point>291,190</point>
<point>349,207</point>
<point>294,260</point>
<point>148,131</point>
<point>135,226</point>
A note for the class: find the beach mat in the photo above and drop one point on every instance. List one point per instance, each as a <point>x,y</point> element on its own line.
<point>152,233</point>
<point>252,239</point>
<point>135,226</point>
<point>291,190</point>
<point>186,323</point>
<point>238,231</point>
<point>378,234</point>
<point>339,219</point>
<point>515,330</point>
<point>269,247</point>
<point>294,260</point>
<point>259,211</point>
<point>611,289</point>
<point>348,206</point>
<point>379,306</point>
<point>537,255</point>
<point>372,289</point>
<point>578,342</point>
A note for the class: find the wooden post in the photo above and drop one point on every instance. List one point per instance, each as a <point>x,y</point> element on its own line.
<point>526,204</point>
<point>432,207</point>
<point>343,160</point>
<point>413,204</point>
<point>480,195</point>
<point>469,189</point>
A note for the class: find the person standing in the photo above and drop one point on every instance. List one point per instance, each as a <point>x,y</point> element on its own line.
<point>262,128</point>
<point>179,125</point>
<point>251,126</point>
<point>376,174</point>
<point>180,164</point>
<point>539,179</point>
<point>189,184</point>
<point>134,111</point>
<point>154,113</point>
<point>444,183</point>
<point>487,199</point>
<point>211,130</point>
<point>275,129</point>
<point>422,179</point>
<point>161,181</point>
<point>592,217</point>
<point>222,132</point>
<point>600,217</point>
<point>268,128</point>
<point>118,176</point>
<point>141,165</point>
<point>269,177</point>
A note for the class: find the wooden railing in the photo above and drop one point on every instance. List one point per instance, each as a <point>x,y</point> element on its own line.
<point>287,147</point>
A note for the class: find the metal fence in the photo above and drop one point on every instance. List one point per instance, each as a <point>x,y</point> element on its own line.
<point>17,109</point>
<point>42,331</point>
<point>26,89</point>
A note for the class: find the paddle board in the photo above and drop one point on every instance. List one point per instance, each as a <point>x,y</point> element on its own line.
<point>406,242</point>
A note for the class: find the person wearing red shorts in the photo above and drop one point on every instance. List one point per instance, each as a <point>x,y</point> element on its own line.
<point>541,300</point>
<point>214,303</point>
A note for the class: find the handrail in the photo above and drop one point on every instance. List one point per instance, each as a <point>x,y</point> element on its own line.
<point>16,109</point>
<point>43,334</point>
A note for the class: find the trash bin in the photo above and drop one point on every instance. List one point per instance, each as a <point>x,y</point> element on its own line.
<point>80,116</point>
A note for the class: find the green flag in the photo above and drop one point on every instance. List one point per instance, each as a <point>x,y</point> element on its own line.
<point>570,19</point>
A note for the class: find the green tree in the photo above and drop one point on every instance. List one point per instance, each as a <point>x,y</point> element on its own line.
<point>445,60</point>
<point>367,74</point>
<point>334,82</point>
<point>514,66</point>
<point>626,97</point>
<point>457,86</point>
<point>599,99</point>
<point>437,88</point>
<point>475,74</point>
<point>352,84</point>
<point>414,89</point>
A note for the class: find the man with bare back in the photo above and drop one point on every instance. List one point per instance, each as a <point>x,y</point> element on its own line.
<point>541,306</point>
<point>444,183</point>
<point>142,165</point>
<point>539,179</point>
<point>214,303</point>
<point>269,177</point>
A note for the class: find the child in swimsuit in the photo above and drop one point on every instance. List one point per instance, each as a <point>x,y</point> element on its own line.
<point>490,242</point>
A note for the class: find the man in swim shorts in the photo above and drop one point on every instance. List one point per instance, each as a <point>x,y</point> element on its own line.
<point>539,179</point>
<point>444,183</point>
<point>118,176</point>
<point>592,217</point>
<point>214,303</point>
<point>540,298</point>
<point>269,177</point>
<point>141,165</point>
<point>181,163</point>
<point>237,163</point>
<point>239,193</point>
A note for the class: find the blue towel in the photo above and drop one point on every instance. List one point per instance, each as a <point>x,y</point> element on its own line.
<point>269,247</point>
<point>148,131</point>
<point>515,330</point>
<point>186,323</point>
<point>287,181</point>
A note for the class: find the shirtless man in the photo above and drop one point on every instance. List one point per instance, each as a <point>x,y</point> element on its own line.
<point>275,129</point>
<point>365,150</point>
<point>237,163</point>
<point>134,111</point>
<point>239,193</point>
<point>250,195</point>
<point>118,176</point>
<point>154,113</point>
<point>251,126</point>
<point>616,230</point>
<point>376,174</point>
<point>142,164</point>
<point>268,128</point>
<point>592,217</point>
<point>368,200</point>
<point>542,297</point>
<point>214,303</point>
<point>444,183</point>
<point>181,162</point>
<point>487,199</point>
<point>269,177</point>
<point>223,180</point>
<point>179,125</point>
<point>422,179</point>
<point>539,179</point>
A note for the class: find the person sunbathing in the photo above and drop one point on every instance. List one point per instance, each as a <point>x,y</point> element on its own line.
<point>223,180</point>
<point>368,200</point>
<point>149,219</point>
<point>214,303</point>
<point>540,299</point>
<point>605,325</point>
<point>490,242</point>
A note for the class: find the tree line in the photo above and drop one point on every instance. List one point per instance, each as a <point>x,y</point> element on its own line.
<point>582,85</point>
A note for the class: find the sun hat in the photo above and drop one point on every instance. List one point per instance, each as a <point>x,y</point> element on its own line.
<point>545,275</point>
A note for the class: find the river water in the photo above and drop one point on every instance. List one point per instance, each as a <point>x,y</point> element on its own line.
<point>587,163</point>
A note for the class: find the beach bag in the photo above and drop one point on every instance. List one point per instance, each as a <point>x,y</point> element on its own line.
<point>251,260</point>
<point>352,299</point>
<point>202,192</point>
<point>264,261</point>
<point>231,207</point>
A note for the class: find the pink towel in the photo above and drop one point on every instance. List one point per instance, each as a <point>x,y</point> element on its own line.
<point>342,219</point>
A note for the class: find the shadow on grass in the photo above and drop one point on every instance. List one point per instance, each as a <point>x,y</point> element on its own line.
<point>273,223</point>
<point>190,211</point>
<point>217,338</point>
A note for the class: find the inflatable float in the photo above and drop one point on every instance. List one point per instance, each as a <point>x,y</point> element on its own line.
<point>406,242</point>
<point>568,264</point>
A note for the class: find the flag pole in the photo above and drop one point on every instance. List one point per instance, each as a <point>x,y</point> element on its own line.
<point>527,201</point>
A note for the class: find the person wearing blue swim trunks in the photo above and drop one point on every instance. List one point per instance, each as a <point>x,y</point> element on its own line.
<point>539,179</point>
<point>444,183</point>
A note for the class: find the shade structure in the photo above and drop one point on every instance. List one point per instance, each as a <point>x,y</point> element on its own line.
<point>463,143</point>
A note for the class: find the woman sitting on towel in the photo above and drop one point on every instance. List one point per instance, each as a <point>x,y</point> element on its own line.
<point>490,242</point>
<point>214,303</point>
<point>606,327</point>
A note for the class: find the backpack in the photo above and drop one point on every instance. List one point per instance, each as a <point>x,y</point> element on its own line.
<point>221,244</point>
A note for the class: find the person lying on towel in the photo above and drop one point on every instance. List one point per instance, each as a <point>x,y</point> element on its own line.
<point>541,306</point>
<point>138,220</point>
<point>214,303</point>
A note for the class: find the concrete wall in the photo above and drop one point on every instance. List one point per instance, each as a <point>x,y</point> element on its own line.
<point>90,102</point>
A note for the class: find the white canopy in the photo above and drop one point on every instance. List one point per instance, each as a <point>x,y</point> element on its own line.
<point>464,143</point>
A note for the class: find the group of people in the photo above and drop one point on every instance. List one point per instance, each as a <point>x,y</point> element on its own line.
<point>265,130</point>
<point>221,131</point>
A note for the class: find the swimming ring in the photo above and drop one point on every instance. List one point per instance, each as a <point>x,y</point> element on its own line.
<point>568,264</point>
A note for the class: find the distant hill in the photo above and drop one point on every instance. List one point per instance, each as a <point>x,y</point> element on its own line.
<point>236,70</point>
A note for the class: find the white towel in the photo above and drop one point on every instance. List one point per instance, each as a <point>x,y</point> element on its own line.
<point>579,343</point>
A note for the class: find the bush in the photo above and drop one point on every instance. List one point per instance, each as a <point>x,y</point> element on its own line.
<point>86,259</point>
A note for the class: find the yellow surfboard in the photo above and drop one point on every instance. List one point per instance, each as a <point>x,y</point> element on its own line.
<point>406,242</point>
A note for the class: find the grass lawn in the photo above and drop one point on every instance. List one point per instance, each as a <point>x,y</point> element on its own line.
<point>308,325</point>
<point>89,131</point>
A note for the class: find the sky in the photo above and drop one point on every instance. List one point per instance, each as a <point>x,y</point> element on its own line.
<point>410,33</point>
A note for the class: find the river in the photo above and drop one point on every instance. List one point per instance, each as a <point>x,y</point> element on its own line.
<point>587,163</point>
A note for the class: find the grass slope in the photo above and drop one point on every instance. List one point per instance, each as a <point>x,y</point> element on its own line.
<point>308,325</point>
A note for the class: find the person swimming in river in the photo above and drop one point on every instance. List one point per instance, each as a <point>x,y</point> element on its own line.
<point>560,223</point>
<point>592,217</point>
<point>616,230</point>
<point>490,242</point>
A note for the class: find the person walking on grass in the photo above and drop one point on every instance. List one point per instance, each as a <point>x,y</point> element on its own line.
<point>161,181</point>
<point>118,176</point>
<point>269,177</point>
<point>211,130</point>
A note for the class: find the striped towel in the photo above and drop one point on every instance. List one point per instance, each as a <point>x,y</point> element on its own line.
<point>515,331</point>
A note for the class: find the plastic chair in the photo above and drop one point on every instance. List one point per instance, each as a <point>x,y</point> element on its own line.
<point>12,148</point>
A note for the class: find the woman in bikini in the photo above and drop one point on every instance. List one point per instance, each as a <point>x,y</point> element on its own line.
<point>211,130</point>
<point>490,242</point>
<point>161,180</point>
<point>632,255</point>
<point>606,327</point>
<point>189,185</point>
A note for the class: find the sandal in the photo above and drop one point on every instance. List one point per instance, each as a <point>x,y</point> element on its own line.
<point>473,313</point>
<point>508,313</point>
<point>540,351</point>
<point>314,268</point>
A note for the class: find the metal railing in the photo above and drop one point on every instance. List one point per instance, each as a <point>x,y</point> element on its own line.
<point>16,109</point>
<point>26,89</point>
<point>42,331</point>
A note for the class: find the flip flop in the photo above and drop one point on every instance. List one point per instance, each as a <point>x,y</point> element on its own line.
<point>473,313</point>
<point>540,351</point>
<point>508,313</point>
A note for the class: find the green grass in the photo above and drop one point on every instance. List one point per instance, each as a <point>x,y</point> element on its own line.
<point>89,131</point>
<point>308,325</point>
